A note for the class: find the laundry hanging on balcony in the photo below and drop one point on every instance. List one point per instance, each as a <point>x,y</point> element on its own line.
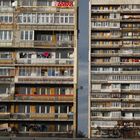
<point>46,54</point>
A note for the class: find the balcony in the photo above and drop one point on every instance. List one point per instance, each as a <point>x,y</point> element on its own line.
<point>106,45</point>
<point>44,80</point>
<point>43,98</point>
<point>54,133</point>
<point>101,118</point>
<point>107,108</point>
<point>5,9</point>
<point>131,18</point>
<point>110,37</point>
<point>106,10</point>
<point>41,116</point>
<point>46,44</point>
<point>7,43</point>
<point>104,54</point>
<point>4,115</point>
<point>131,108</point>
<point>25,44</point>
<point>5,97</point>
<point>131,37</point>
<point>104,28</point>
<point>59,117</point>
<point>105,63</point>
<point>105,99</point>
<point>6,80</point>
<point>45,61</point>
<point>6,61</point>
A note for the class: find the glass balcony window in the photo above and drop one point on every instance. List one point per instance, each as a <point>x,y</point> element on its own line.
<point>6,19</point>
<point>62,18</point>
<point>6,3</point>
<point>6,35</point>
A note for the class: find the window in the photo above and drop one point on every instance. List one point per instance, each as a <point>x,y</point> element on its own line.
<point>62,91</point>
<point>57,91</point>
<point>24,72</point>
<point>5,72</point>
<point>63,128</point>
<point>44,3</point>
<point>42,109</point>
<point>41,18</point>
<point>25,90</point>
<point>43,91</point>
<point>56,109</point>
<point>3,108</point>
<point>27,35</point>
<point>5,3</point>
<point>26,2</point>
<point>6,19</point>
<point>5,35</point>
<point>63,109</point>
<point>4,89</point>
<point>24,108</point>
<point>5,55</point>
<point>64,54</point>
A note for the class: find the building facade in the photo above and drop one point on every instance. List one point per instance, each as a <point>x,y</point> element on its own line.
<point>114,68</point>
<point>38,67</point>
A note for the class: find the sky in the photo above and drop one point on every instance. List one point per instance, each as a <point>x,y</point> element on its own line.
<point>83,66</point>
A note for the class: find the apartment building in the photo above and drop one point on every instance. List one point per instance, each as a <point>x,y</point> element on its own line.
<point>38,67</point>
<point>114,68</point>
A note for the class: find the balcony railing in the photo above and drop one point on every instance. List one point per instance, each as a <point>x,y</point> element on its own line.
<point>6,96</point>
<point>4,115</point>
<point>6,80</point>
<point>45,61</point>
<point>61,44</point>
<point>106,10</point>
<point>50,98</point>
<point>43,79</point>
<point>7,43</point>
<point>46,134</point>
<point>115,118</point>
<point>106,36</point>
<point>37,116</point>
<point>5,9</point>
<point>6,61</point>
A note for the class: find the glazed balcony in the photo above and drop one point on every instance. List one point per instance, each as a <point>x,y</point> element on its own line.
<point>43,98</point>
